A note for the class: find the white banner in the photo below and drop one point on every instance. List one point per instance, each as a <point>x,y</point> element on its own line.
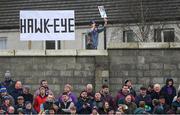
<point>102,12</point>
<point>47,25</point>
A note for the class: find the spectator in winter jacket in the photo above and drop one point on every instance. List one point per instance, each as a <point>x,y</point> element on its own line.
<point>122,94</point>
<point>20,103</point>
<point>68,89</point>
<point>163,104</point>
<point>106,96</point>
<point>41,98</point>
<point>176,104</point>
<point>27,95</point>
<point>6,103</point>
<point>169,91</point>
<point>29,110</point>
<point>3,93</point>
<point>84,104</point>
<point>156,91</point>
<point>143,96</point>
<point>90,93</point>
<point>157,108</point>
<point>17,90</point>
<point>98,102</point>
<point>8,82</point>
<point>140,109</point>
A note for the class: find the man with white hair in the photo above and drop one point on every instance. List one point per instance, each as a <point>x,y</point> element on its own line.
<point>8,82</point>
<point>89,89</point>
<point>156,91</point>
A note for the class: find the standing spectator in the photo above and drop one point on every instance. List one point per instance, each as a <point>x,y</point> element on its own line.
<point>29,110</point>
<point>43,83</point>
<point>156,91</point>
<point>27,95</point>
<point>122,94</point>
<point>84,104</point>
<point>68,89</point>
<point>169,91</point>
<point>106,96</point>
<point>17,90</point>
<point>3,93</point>
<point>8,82</point>
<point>143,96</point>
<point>129,84</point>
<point>41,98</point>
<point>94,32</point>
<point>89,89</point>
<point>20,103</point>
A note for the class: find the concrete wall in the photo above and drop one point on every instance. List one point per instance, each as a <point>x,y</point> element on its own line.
<point>143,63</point>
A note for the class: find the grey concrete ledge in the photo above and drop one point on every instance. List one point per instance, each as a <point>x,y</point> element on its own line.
<point>143,45</point>
<point>92,53</point>
<point>6,52</point>
<point>29,52</point>
<point>61,53</point>
<point>120,45</point>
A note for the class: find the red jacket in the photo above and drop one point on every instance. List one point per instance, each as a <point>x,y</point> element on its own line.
<point>38,101</point>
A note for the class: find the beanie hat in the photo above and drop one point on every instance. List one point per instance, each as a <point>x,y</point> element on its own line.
<point>3,89</point>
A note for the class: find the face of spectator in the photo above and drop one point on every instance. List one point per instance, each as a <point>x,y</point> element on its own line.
<point>125,89</point>
<point>67,89</point>
<point>94,112</point>
<point>11,110</point>
<point>106,105</point>
<point>162,100</point>
<point>106,90</point>
<point>97,96</point>
<point>129,84</point>
<point>128,99</point>
<point>45,84</point>
<point>51,112</point>
<point>170,83</point>
<point>18,85</point>
<point>50,98</point>
<point>7,102</point>
<point>178,99</point>
<point>157,88</point>
<point>29,106</point>
<point>143,92</point>
<point>42,90</point>
<point>89,88</point>
<point>84,94</point>
<point>20,100</point>
<point>65,98</point>
<point>25,90</point>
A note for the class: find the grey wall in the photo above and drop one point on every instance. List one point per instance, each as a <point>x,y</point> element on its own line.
<point>142,66</point>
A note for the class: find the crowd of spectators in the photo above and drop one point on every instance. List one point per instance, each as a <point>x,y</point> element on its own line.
<point>16,98</point>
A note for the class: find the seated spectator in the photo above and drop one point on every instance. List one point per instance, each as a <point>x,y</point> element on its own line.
<point>41,98</point>
<point>6,103</point>
<point>3,93</point>
<point>84,104</point>
<point>8,82</point>
<point>150,89</point>
<point>156,91</point>
<point>43,83</point>
<point>169,91</point>
<point>143,96</point>
<point>94,111</point>
<point>130,104</point>
<point>27,95</point>
<point>129,84</point>
<point>106,108</point>
<point>98,102</point>
<point>140,109</point>
<point>11,110</point>
<point>20,103</point>
<point>157,108</point>
<point>48,104</point>
<point>90,93</point>
<point>17,90</point>
<point>73,110</point>
<point>29,110</point>
<point>66,103</point>
<point>163,104</point>
<point>176,104</point>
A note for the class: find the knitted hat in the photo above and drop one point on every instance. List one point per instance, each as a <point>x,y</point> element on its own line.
<point>3,89</point>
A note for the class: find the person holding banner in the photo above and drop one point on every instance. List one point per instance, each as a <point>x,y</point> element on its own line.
<point>93,34</point>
